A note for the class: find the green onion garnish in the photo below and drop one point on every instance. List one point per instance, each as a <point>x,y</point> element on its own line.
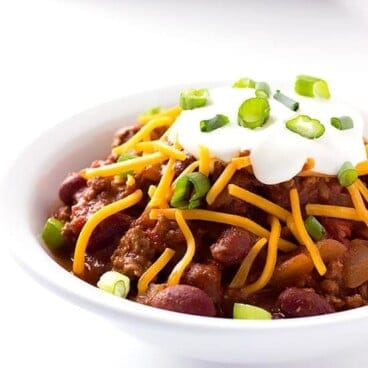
<point>244,83</point>
<point>189,191</point>
<point>114,283</point>
<point>263,90</point>
<point>314,228</point>
<point>347,174</point>
<point>216,122</point>
<point>247,311</point>
<point>125,157</point>
<point>51,233</point>
<point>287,101</point>
<point>193,98</point>
<point>306,127</point>
<point>342,123</point>
<point>152,111</point>
<point>254,112</point>
<point>306,85</point>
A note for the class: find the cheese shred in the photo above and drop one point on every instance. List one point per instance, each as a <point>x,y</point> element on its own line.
<point>154,270</point>
<point>93,221</point>
<point>271,259</point>
<point>341,212</point>
<point>358,202</point>
<point>180,267</point>
<point>303,234</point>
<point>159,146</point>
<point>241,276</point>
<point>204,160</point>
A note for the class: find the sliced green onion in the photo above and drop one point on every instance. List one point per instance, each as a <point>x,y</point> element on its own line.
<point>263,90</point>
<point>125,157</point>
<point>306,126</point>
<point>342,123</point>
<point>216,122</point>
<point>189,191</point>
<point>287,101</point>
<point>247,311</point>
<point>314,228</point>
<point>51,233</point>
<point>153,111</point>
<point>193,98</point>
<point>347,174</point>
<point>254,112</point>
<point>114,283</point>
<point>306,85</point>
<point>244,83</point>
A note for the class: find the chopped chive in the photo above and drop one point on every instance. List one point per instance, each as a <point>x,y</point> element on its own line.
<point>216,122</point>
<point>244,83</point>
<point>152,111</point>
<point>189,191</point>
<point>314,228</point>
<point>287,101</point>
<point>247,311</point>
<point>51,233</point>
<point>125,157</point>
<point>254,112</point>
<point>342,123</point>
<point>114,283</point>
<point>193,98</point>
<point>347,174</point>
<point>263,90</point>
<point>306,127</point>
<point>309,86</point>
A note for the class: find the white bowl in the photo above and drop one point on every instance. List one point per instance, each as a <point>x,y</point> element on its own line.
<point>73,144</point>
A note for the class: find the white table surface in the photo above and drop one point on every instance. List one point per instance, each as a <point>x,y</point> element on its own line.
<point>60,57</point>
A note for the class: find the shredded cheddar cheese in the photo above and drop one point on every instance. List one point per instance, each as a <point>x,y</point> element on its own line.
<point>94,221</point>
<point>220,183</point>
<point>291,226</point>
<point>303,234</point>
<point>151,190</point>
<point>346,213</point>
<point>362,168</point>
<point>241,276</point>
<point>241,162</point>
<point>172,112</point>
<point>165,149</point>
<point>204,160</point>
<point>258,201</point>
<point>180,267</point>
<point>362,189</point>
<point>137,165</point>
<point>163,191</point>
<point>130,181</point>
<point>358,202</point>
<point>143,134</point>
<point>154,270</point>
<point>223,218</point>
<point>270,260</point>
<point>190,168</point>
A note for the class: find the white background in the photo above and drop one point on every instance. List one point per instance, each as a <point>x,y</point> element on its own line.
<point>60,57</point>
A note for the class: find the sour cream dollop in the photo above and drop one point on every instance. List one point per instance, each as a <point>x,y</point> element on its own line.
<point>276,153</point>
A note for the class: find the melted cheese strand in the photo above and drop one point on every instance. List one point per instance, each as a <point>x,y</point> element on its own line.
<point>223,218</point>
<point>258,201</point>
<point>154,270</point>
<point>358,202</point>
<point>165,149</point>
<point>163,191</point>
<point>303,234</point>
<point>136,164</point>
<point>179,269</point>
<point>204,160</point>
<point>346,213</point>
<point>93,221</point>
<point>173,113</point>
<point>143,133</point>
<point>241,276</point>
<point>270,260</point>
<point>221,183</point>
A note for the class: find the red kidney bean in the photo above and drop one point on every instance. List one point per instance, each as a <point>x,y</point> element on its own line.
<point>295,302</point>
<point>184,299</point>
<point>70,186</point>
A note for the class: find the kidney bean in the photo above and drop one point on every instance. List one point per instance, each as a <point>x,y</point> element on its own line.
<point>70,186</point>
<point>295,302</point>
<point>184,299</point>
